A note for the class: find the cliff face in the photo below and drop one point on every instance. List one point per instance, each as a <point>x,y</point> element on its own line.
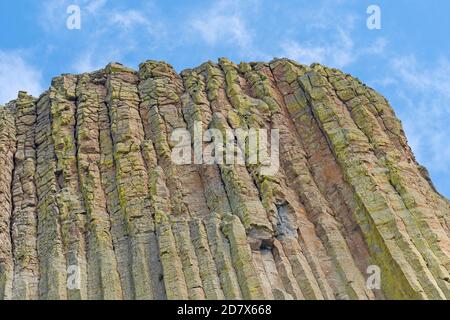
<point>93,207</point>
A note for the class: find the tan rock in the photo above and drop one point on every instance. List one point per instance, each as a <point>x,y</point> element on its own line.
<point>93,207</point>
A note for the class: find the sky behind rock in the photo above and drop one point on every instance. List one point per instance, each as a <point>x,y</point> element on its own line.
<point>407,60</point>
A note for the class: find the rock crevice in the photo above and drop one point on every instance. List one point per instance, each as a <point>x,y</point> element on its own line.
<point>92,206</point>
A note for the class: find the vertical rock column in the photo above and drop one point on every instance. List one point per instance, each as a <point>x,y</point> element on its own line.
<point>103,276</point>
<point>7,149</point>
<point>425,214</point>
<point>318,180</point>
<point>244,214</point>
<point>213,251</point>
<point>198,109</point>
<point>295,232</point>
<point>242,191</point>
<point>52,262</point>
<point>93,205</point>
<point>131,174</point>
<point>375,195</point>
<point>107,166</point>
<point>69,199</point>
<point>165,186</point>
<point>161,88</point>
<point>24,218</point>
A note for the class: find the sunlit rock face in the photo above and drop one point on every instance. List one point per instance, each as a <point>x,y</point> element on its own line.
<point>92,205</point>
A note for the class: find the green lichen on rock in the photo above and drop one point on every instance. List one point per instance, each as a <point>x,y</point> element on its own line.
<point>88,188</point>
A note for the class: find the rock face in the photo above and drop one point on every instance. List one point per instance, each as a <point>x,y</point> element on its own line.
<point>93,207</point>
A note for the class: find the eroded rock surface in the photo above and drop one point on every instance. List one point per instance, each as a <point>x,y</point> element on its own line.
<point>93,207</point>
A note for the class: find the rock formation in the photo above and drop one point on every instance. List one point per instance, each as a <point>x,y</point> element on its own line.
<point>93,207</point>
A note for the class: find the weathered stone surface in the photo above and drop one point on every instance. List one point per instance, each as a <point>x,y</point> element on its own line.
<point>92,206</point>
<point>7,150</point>
<point>23,220</point>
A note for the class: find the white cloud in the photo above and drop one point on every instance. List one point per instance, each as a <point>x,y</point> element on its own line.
<point>384,82</point>
<point>333,35</point>
<point>126,27</point>
<point>128,19</point>
<point>376,48</point>
<point>16,75</point>
<point>436,78</point>
<point>96,12</point>
<point>48,17</point>
<point>326,15</point>
<point>91,60</point>
<point>86,63</point>
<point>101,21</point>
<point>305,54</point>
<point>217,28</point>
<point>337,53</point>
<point>425,91</point>
<point>95,5</point>
<point>225,22</point>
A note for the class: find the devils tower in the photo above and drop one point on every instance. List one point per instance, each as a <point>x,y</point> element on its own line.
<point>93,207</point>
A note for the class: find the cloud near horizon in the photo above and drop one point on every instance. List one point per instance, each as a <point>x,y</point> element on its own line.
<point>16,74</point>
<point>425,92</point>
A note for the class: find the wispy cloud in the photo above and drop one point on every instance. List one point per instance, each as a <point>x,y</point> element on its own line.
<point>223,28</point>
<point>110,31</point>
<point>425,92</point>
<point>128,19</point>
<point>435,79</point>
<point>227,23</point>
<point>17,74</point>
<point>100,15</point>
<point>338,53</point>
<point>94,6</point>
<point>93,59</point>
<point>223,22</point>
<point>329,35</point>
<point>378,47</point>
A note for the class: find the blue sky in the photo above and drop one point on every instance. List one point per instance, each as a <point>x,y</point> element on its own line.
<point>408,60</point>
